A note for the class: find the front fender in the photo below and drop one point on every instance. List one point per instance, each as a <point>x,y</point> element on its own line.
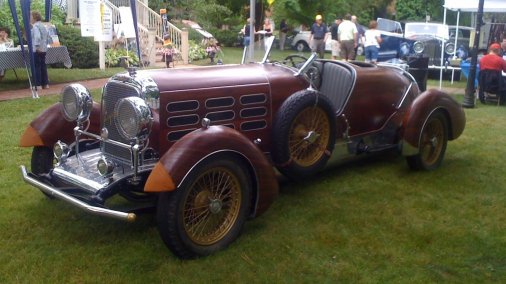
<point>50,126</point>
<point>423,106</point>
<point>194,147</point>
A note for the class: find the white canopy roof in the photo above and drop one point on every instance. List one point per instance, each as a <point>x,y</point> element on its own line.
<point>472,5</point>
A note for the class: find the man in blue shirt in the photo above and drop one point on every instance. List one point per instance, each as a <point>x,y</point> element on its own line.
<point>318,36</point>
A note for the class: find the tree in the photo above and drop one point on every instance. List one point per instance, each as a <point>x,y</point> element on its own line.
<point>416,10</point>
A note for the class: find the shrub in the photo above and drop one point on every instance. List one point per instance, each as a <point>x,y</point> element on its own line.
<point>113,55</point>
<point>225,37</point>
<point>82,50</point>
<point>196,52</point>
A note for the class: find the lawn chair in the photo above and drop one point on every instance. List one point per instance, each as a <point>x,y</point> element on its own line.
<point>491,86</point>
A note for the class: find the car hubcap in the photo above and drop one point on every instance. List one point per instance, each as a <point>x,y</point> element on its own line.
<point>431,146</point>
<point>309,136</point>
<point>212,206</point>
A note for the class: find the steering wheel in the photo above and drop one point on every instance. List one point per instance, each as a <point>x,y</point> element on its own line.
<point>293,62</point>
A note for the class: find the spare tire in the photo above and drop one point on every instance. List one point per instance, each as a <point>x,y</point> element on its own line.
<point>304,134</point>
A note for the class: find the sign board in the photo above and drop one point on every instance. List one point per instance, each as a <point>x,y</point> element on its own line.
<point>127,22</point>
<point>104,32</point>
<point>89,14</point>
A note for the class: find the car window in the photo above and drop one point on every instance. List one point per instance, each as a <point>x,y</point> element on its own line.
<point>437,30</point>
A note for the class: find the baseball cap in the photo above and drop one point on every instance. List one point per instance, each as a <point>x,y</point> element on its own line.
<point>318,17</point>
<point>495,46</point>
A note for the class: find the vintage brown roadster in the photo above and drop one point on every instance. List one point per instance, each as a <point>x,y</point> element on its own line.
<point>201,145</point>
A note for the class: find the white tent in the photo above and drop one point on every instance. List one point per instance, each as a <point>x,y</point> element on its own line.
<point>489,6</point>
<point>492,6</point>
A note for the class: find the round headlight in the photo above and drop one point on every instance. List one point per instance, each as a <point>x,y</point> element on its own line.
<point>77,102</point>
<point>450,48</point>
<point>404,49</point>
<point>105,166</point>
<point>133,118</point>
<point>418,47</point>
<point>61,151</point>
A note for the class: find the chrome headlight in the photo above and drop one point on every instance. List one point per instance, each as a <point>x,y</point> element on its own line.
<point>450,48</point>
<point>404,49</point>
<point>418,47</point>
<point>105,166</point>
<point>61,151</point>
<point>133,118</point>
<point>77,103</point>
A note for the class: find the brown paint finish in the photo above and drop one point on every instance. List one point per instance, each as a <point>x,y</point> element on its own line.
<point>423,106</point>
<point>50,126</point>
<point>194,147</point>
<point>377,92</point>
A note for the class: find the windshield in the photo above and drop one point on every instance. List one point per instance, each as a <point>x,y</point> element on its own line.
<point>260,52</point>
<point>436,30</point>
<point>389,26</point>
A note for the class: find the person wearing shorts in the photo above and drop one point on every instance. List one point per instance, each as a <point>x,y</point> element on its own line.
<point>348,38</point>
<point>335,41</point>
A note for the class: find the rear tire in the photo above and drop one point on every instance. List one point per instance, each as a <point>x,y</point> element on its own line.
<point>301,46</point>
<point>208,211</point>
<point>432,145</point>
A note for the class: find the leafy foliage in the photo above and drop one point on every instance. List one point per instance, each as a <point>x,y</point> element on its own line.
<point>82,50</point>
<point>196,52</point>
<point>114,55</point>
<point>225,37</point>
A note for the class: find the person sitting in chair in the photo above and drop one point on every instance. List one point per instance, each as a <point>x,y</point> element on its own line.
<point>491,67</point>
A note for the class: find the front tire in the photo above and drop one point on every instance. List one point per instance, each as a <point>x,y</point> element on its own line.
<point>208,211</point>
<point>432,145</point>
<point>42,162</point>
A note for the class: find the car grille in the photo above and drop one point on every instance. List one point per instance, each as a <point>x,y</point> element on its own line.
<point>433,51</point>
<point>113,92</point>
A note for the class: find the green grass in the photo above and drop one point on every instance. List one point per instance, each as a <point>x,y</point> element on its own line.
<point>372,220</point>
<point>56,75</point>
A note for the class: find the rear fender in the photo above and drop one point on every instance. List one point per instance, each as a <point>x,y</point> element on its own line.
<point>423,106</point>
<point>50,126</point>
<point>201,144</point>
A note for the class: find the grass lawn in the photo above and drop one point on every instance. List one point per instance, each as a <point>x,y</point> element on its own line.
<point>56,75</point>
<point>371,220</point>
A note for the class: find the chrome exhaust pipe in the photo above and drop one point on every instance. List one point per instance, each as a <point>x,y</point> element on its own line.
<point>129,217</point>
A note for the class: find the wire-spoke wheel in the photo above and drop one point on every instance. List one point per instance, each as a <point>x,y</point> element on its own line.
<point>432,145</point>
<point>303,134</point>
<point>207,212</point>
<point>309,136</point>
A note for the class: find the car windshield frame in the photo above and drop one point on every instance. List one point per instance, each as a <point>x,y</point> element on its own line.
<point>431,29</point>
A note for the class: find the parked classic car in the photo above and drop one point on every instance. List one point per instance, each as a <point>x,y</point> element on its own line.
<point>201,145</point>
<point>427,40</point>
<point>300,42</point>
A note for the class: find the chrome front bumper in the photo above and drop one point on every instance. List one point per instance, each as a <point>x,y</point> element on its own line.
<point>129,217</point>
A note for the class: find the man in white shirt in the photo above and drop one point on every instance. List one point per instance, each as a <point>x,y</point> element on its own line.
<point>348,38</point>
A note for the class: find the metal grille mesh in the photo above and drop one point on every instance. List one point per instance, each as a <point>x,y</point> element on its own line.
<point>113,92</point>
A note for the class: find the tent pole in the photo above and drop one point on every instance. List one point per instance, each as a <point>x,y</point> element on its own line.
<point>470,87</point>
<point>442,54</point>
<point>456,34</point>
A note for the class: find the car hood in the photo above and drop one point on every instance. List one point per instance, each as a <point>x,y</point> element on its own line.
<point>207,77</point>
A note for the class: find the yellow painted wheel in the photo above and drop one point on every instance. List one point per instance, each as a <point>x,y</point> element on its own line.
<point>212,206</point>
<point>304,134</point>
<point>208,210</point>
<point>432,144</point>
<point>309,136</point>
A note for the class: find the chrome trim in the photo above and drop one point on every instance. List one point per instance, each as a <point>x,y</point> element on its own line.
<point>82,100</point>
<point>146,85</point>
<point>143,118</point>
<point>309,61</point>
<point>124,216</point>
<point>404,96</point>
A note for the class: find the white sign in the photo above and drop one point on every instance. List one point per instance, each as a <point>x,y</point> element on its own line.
<point>104,32</point>
<point>89,14</point>
<point>127,22</point>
